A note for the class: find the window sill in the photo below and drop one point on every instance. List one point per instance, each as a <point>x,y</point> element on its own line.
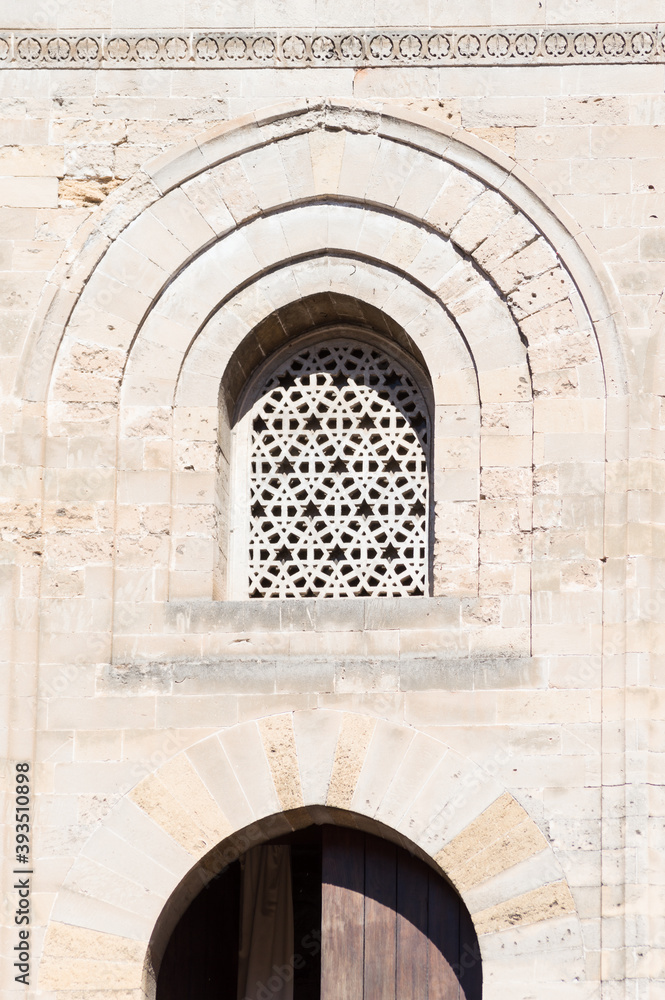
<point>359,614</point>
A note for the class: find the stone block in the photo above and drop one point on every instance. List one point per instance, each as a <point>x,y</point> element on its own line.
<point>316,735</point>
<point>343,615</point>
<point>418,763</point>
<point>29,192</point>
<point>354,738</point>
<point>298,674</point>
<point>456,197</point>
<point>372,674</point>
<point>545,903</point>
<point>246,754</point>
<point>213,767</point>
<point>278,739</point>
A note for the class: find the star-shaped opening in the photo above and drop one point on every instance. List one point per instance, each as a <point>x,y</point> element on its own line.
<point>392,379</point>
<point>339,465</point>
<point>311,510</point>
<point>390,552</point>
<point>258,510</point>
<point>392,465</point>
<point>366,422</point>
<point>284,554</point>
<point>337,554</point>
<point>312,423</point>
<point>259,424</point>
<point>286,380</point>
<point>285,466</point>
<point>417,509</point>
<point>364,509</point>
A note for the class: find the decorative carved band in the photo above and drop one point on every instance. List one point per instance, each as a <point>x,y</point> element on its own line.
<point>352,47</point>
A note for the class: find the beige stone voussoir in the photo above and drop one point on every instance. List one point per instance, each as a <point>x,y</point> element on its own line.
<point>352,744</point>
<point>163,808</point>
<point>68,941</point>
<point>500,837</point>
<point>548,902</point>
<point>278,739</point>
<point>70,974</point>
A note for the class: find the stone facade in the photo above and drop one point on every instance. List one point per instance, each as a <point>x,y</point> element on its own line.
<point>186,188</point>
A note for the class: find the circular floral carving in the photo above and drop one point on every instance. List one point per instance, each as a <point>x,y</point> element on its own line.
<point>526,45</point>
<point>117,48</point>
<point>263,48</point>
<point>439,46</point>
<point>207,49</point>
<point>235,48</point>
<point>585,44</point>
<point>498,45</point>
<point>410,46</point>
<point>614,44</point>
<point>642,43</point>
<point>556,44</point>
<point>29,49</point>
<point>323,47</point>
<point>294,48</point>
<point>58,49</point>
<point>147,48</point>
<point>87,49</point>
<point>468,46</point>
<point>351,47</point>
<point>176,48</point>
<point>381,47</point>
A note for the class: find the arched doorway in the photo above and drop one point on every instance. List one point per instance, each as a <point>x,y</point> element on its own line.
<point>368,920</point>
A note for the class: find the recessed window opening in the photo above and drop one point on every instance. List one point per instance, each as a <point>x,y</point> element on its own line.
<point>334,474</point>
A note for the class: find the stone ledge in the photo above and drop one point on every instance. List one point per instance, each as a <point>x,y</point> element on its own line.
<point>343,675</point>
<point>355,614</point>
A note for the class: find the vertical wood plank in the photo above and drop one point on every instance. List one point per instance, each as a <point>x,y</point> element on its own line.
<point>412,940</point>
<point>444,939</point>
<point>471,972</point>
<point>342,914</point>
<point>380,918</point>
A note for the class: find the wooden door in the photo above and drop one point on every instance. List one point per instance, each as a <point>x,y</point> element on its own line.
<point>391,927</point>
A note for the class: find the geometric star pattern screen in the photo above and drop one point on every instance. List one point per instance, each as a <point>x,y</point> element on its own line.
<point>339,479</point>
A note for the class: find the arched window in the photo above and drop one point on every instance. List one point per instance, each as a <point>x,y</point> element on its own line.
<point>326,913</point>
<point>332,473</point>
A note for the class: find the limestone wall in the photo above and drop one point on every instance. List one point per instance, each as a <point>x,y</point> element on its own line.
<point>505,207</point>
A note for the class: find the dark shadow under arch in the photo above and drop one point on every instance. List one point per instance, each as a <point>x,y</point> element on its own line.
<point>307,315</point>
<point>391,927</point>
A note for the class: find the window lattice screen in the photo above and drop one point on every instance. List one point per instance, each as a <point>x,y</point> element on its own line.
<point>338,477</point>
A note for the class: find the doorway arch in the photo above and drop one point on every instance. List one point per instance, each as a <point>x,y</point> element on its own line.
<point>244,785</point>
<point>364,918</point>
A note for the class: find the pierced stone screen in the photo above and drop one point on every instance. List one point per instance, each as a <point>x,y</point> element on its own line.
<point>339,477</point>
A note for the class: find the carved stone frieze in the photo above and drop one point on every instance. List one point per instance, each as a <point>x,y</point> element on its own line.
<point>353,47</point>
